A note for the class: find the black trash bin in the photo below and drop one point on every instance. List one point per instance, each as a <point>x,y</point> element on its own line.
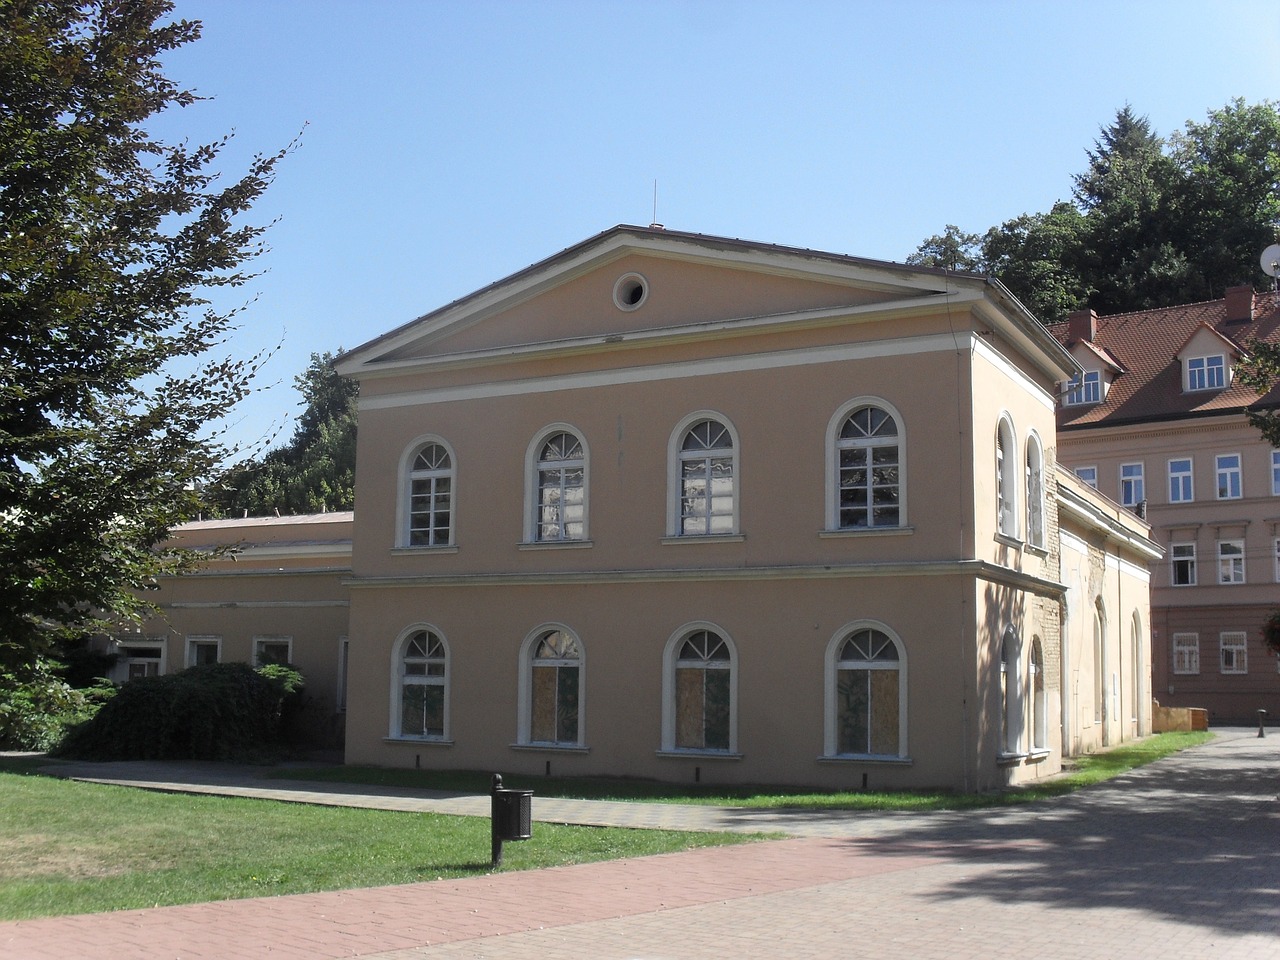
<point>511,816</point>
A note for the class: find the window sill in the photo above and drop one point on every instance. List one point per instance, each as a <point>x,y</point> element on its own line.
<point>555,545</point>
<point>1009,759</point>
<point>867,758</point>
<point>1009,541</point>
<point>705,538</point>
<point>550,747</point>
<point>423,550</point>
<point>420,741</point>
<point>1039,755</point>
<point>1038,550</point>
<point>866,532</point>
<point>699,754</point>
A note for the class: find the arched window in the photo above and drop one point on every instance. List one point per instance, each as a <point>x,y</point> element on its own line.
<point>1011,700</point>
<point>421,680</point>
<point>1006,473</point>
<point>1035,492</point>
<point>1136,672</point>
<point>865,481</point>
<point>1039,699</point>
<point>1099,662</point>
<point>700,692</point>
<point>866,693</point>
<point>551,688</point>
<point>558,488</point>
<point>430,492</point>
<point>708,501</point>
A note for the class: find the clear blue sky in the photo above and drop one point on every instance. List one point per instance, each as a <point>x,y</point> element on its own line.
<point>450,144</point>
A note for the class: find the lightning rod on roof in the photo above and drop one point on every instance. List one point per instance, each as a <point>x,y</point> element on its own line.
<point>654,224</point>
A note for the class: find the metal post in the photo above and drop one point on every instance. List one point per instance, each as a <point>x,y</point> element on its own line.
<point>495,838</point>
<point>1262,718</point>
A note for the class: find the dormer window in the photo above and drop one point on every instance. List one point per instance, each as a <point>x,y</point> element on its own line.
<point>1206,373</point>
<point>1084,389</point>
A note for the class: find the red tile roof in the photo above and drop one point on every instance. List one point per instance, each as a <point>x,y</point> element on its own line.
<point>1147,344</point>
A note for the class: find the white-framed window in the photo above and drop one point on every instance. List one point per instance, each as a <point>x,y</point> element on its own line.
<point>866,476</point>
<point>1275,552</point>
<point>1206,373</point>
<point>1233,652</point>
<point>1099,661</point>
<point>1136,671</point>
<point>1088,475</point>
<point>556,497</point>
<point>428,471</point>
<point>203,650</point>
<point>1039,698</point>
<point>420,702</point>
<point>1228,471</point>
<point>272,649</point>
<point>140,657</point>
<point>866,693</point>
<point>700,691</point>
<point>552,687</point>
<point>703,477</point>
<point>1011,702</point>
<point>1006,472</point>
<point>1181,481</point>
<point>1133,488</point>
<point>1231,561</point>
<point>1186,653</point>
<point>1084,389</point>
<point>1035,491</point>
<point>344,667</point>
<point>1275,473</point>
<point>1182,558</point>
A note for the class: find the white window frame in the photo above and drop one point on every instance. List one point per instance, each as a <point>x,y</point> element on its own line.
<point>122,668</point>
<point>1233,652</point>
<point>670,663</point>
<point>1206,373</point>
<point>1012,702</point>
<point>524,698</point>
<point>1275,552</point>
<point>831,662</point>
<point>1186,654</point>
<point>196,640</point>
<point>1182,484</point>
<point>399,679</point>
<point>1231,569</point>
<point>533,487</point>
<point>1184,554</point>
<point>1229,476</point>
<point>343,674</point>
<point>1036,684</point>
<point>263,639</point>
<point>834,445</point>
<point>1275,473</point>
<point>404,502</point>
<point>1087,475</point>
<point>677,457</point>
<point>1006,486</point>
<point>1084,390</point>
<point>1035,491</point>
<point>1133,484</point>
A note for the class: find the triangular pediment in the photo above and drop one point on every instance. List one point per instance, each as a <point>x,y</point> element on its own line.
<point>633,281</point>
<point>1206,341</point>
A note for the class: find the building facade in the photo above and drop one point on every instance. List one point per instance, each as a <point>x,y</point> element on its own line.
<point>1155,420</point>
<point>696,509</point>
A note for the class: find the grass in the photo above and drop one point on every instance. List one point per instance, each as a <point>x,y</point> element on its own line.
<point>1082,772</point>
<point>68,847</point>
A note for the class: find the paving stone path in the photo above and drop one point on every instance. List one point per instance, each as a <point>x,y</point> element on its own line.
<point>1178,859</point>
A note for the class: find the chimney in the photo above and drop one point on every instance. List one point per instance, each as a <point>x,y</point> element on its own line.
<point>1082,325</point>
<point>1240,304</point>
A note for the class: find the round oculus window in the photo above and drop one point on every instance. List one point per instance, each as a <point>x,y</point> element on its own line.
<point>630,291</point>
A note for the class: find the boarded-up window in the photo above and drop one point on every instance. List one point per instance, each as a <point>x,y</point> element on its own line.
<point>703,693</point>
<point>555,689</point>
<point>868,692</point>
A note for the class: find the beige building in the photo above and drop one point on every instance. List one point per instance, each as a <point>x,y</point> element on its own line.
<point>682,507</point>
<point>1155,420</point>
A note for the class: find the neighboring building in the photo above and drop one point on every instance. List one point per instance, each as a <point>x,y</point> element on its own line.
<point>273,591</point>
<point>690,508</point>
<point>1156,421</point>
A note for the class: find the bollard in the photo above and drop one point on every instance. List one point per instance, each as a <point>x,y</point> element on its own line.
<point>1262,718</point>
<point>510,817</point>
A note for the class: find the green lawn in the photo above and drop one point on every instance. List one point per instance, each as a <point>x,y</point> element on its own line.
<point>68,847</point>
<point>1084,771</point>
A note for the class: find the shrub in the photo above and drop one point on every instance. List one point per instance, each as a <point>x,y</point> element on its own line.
<point>219,711</point>
<point>38,707</point>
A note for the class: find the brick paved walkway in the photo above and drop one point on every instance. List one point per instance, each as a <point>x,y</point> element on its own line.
<point>1181,858</point>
